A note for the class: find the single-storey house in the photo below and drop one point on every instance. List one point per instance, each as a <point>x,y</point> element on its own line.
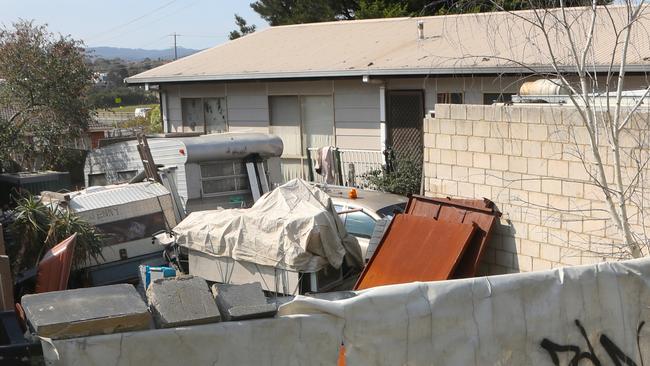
<point>367,84</point>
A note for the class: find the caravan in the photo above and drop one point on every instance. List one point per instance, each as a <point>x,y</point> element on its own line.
<point>228,170</point>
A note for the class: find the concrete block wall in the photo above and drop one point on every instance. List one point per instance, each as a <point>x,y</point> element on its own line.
<point>525,159</point>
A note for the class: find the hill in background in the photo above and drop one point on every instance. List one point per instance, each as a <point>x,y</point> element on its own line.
<point>137,54</point>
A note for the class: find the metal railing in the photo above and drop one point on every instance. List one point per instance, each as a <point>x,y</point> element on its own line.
<point>351,166</point>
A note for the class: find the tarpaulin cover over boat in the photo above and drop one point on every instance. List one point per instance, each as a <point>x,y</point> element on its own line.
<point>293,227</point>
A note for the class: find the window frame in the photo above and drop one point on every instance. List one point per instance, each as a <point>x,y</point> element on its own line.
<point>203,117</point>
<point>449,97</point>
<point>242,174</point>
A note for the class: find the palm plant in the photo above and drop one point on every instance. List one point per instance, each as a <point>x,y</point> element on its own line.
<point>38,227</point>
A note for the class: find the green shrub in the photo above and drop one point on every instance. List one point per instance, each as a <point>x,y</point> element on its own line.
<point>405,178</point>
<point>38,227</point>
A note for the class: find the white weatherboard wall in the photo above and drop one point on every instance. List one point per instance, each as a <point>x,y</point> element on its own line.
<point>516,319</point>
<point>523,159</point>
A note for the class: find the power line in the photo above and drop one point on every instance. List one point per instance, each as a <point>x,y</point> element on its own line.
<point>132,20</point>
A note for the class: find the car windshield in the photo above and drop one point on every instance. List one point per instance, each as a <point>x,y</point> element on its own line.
<point>389,211</point>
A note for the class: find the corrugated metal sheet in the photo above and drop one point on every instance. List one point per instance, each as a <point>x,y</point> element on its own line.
<point>482,213</point>
<point>110,196</point>
<point>452,44</point>
<point>416,248</point>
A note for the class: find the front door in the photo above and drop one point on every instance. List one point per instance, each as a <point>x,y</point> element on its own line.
<point>405,114</point>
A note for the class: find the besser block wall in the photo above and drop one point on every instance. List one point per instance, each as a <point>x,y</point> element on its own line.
<point>524,159</point>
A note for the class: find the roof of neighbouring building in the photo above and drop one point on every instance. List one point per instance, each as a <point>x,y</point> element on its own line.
<point>491,43</point>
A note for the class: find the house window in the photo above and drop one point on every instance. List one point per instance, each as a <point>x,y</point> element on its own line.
<point>489,98</point>
<point>223,178</point>
<point>450,98</point>
<point>302,122</point>
<point>207,115</point>
<point>98,179</point>
<point>133,228</point>
<point>125,176</point>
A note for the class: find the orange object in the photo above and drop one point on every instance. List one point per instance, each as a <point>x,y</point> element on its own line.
<point>352,193</point>
<point>416,248</point>
<point>54,269</point>
<point>482,213</point>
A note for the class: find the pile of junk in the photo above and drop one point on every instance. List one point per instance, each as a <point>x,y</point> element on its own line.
<point>232,265</point>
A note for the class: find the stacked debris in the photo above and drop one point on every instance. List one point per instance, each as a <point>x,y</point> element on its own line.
<point>435,239</point>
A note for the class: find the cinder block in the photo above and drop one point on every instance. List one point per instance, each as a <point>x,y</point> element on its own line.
<point>550,252</point>
<point>443,142</point>
<point>518,164</point>
<point>519,131</point>
<point>558,168</point>
<point>499,162</point>
<point>541,264</point>
<point>182,301</point>
<point>458,111</point>
<point>537,132</point>
<point>476,144</point>
<point>464,128</point>
<point>465,158</point>
<point>537,166</point>
<point>238,302</point>
<point>475,112</point>
<point>531,149</point>
<point>459,143</point>
<point>481,160</point>
<point>481,128</point>
<point>86,311</point>
<point>494,146</point>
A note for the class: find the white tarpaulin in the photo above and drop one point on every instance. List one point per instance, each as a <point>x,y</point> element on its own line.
<point>288,341</point>
<point>293,227</point>
<point>520,319</point>
<point>565,316</point>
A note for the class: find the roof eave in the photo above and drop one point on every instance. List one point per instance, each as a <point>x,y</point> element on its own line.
<point>373,72</point>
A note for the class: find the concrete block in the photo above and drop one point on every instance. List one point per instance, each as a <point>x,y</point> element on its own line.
<point>465,158</point>
<point>538,132</point>
<point>86,311</point>
<point>239,302</point>
<point>481,128</point>
<point>442,142</point>
<point>476,144</point>
<point>459,143</point>
<point>475,112</point>
<point>182,301</point>
<point>519,131</point>
<point>518,165</point>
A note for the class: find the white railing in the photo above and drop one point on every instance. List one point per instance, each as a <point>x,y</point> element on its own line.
<point>352,166</point>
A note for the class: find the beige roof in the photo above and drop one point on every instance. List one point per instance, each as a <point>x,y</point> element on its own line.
<point>454,44</point>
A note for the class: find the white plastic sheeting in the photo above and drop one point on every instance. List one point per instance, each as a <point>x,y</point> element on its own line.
<point>288,341</point>
<point>521,319</point>
<point>293,227</point>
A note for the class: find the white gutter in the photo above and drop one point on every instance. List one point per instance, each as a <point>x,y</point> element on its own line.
<point>376,72</point>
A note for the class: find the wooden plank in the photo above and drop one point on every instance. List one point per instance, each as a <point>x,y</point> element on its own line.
<point>6,285</point>
<point>416,248</point>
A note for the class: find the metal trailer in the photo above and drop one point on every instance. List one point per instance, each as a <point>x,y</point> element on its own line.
<point>209,171</point>
<point>128,215</point>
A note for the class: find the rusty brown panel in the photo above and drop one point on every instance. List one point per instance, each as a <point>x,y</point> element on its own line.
<point>468,265</point>
<point>414,207</point>
<point>452,214</point>
<point>483,213</point>
<point>416,248</point>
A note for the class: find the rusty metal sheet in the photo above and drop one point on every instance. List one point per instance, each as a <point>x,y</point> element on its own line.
<point>482,213</point>
<point>416,248</point>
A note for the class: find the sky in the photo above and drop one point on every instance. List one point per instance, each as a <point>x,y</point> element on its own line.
<point>144,24</point>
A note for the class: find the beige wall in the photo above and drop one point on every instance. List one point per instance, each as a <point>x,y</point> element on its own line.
<point>523,158</point>
<point>356,104</point>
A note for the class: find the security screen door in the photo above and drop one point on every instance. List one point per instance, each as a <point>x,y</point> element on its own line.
<point>405,114</point>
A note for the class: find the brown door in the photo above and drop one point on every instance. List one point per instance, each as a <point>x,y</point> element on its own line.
<point>405,114</point>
